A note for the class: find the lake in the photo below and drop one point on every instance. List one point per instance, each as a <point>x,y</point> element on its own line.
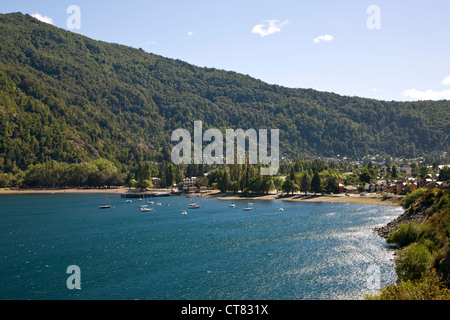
<point>308,251</point>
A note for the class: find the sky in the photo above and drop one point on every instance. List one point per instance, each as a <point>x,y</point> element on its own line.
<point>387,50</point>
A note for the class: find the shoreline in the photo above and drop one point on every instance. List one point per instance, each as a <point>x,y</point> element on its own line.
<point>352,198</point>
<point>68,190</point>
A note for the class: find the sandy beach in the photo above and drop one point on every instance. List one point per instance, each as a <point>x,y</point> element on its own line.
<point>71,190</point>
<point>374,199</point>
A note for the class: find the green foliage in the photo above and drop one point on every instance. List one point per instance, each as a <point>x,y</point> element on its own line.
<point>68,98</point>
<point>365,176</point>
<point>224,181</point>
<point>305,185</point>
<point>412,197</point>
<point>428,287</point>
<point>394,172</point>
<point>169,174</point>
<point>426,248</point>
<point>277,183</point>
<point>444,174</point>
<point>143,174</point>
<point>52,174</point>
<point>289,185</point>
<point>5,180</point>
<point>412,261</point>
<point>316,185</point>
<point>406,234</point>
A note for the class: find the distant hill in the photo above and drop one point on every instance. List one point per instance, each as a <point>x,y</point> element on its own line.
<point>69,98</point>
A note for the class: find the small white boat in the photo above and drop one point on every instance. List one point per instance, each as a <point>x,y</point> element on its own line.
<point>158,204</point>
<point>193,205</point>
<point>184,213</point>
<point>146,209</point>
<point>150,202</point>
<point>281,209</point>
<point>144,205</point>
<point>106,206</point>
<point>128,201</point>
<point>247,208</point>
<point>140,199</point>
<point>232,205</point>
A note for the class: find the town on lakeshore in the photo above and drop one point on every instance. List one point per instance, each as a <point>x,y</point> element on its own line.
<point>302,179</point>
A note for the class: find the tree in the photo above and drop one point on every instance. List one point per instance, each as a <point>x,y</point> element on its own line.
<point>5,180</point>
<point>143,175</point>
<point>277,182</point>
<point>365,176</point>
<point>423,172</point>
<point>288,186</point>
<point>234,186</point>
<point>394,171</point>
<point>332,185</point>
<point>305,186</point>
<point>412,261</point>
<point>444,174</point>
<point>224,181</point>
<point>315,183</point>
<point>169,174</point>
<point>266,184</point>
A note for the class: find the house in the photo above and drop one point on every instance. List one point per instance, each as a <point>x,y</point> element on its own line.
<point>380,186</point>
<point>436,184</point>
<point>156,182</point>
<point>406,170</point>
<point>189,181</point>
<point>192,189</point>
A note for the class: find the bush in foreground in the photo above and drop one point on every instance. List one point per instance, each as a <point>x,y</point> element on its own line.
<point>406,234</point>
<point>412,261</point>
<point>428,287</point>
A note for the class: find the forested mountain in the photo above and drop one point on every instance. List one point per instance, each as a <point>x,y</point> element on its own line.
<point>69,98</point>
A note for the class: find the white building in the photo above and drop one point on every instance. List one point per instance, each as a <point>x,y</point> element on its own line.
<point>190,181</point>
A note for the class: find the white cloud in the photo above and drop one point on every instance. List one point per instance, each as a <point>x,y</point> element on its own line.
<point>42,18</point>
<point>271,26</point>
<point>190,33</point>
<point>427,95</point>
<point>446,80</point>
<point>325,37</point>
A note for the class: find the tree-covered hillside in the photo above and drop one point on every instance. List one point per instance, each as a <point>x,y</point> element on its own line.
<point>69,98</point>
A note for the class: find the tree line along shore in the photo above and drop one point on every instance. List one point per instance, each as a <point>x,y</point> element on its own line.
<point>307,177</point>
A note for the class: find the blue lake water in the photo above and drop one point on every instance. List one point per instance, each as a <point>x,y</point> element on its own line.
<point>307,251</point>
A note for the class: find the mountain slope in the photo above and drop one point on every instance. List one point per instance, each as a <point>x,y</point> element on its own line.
<point>67,97</point>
